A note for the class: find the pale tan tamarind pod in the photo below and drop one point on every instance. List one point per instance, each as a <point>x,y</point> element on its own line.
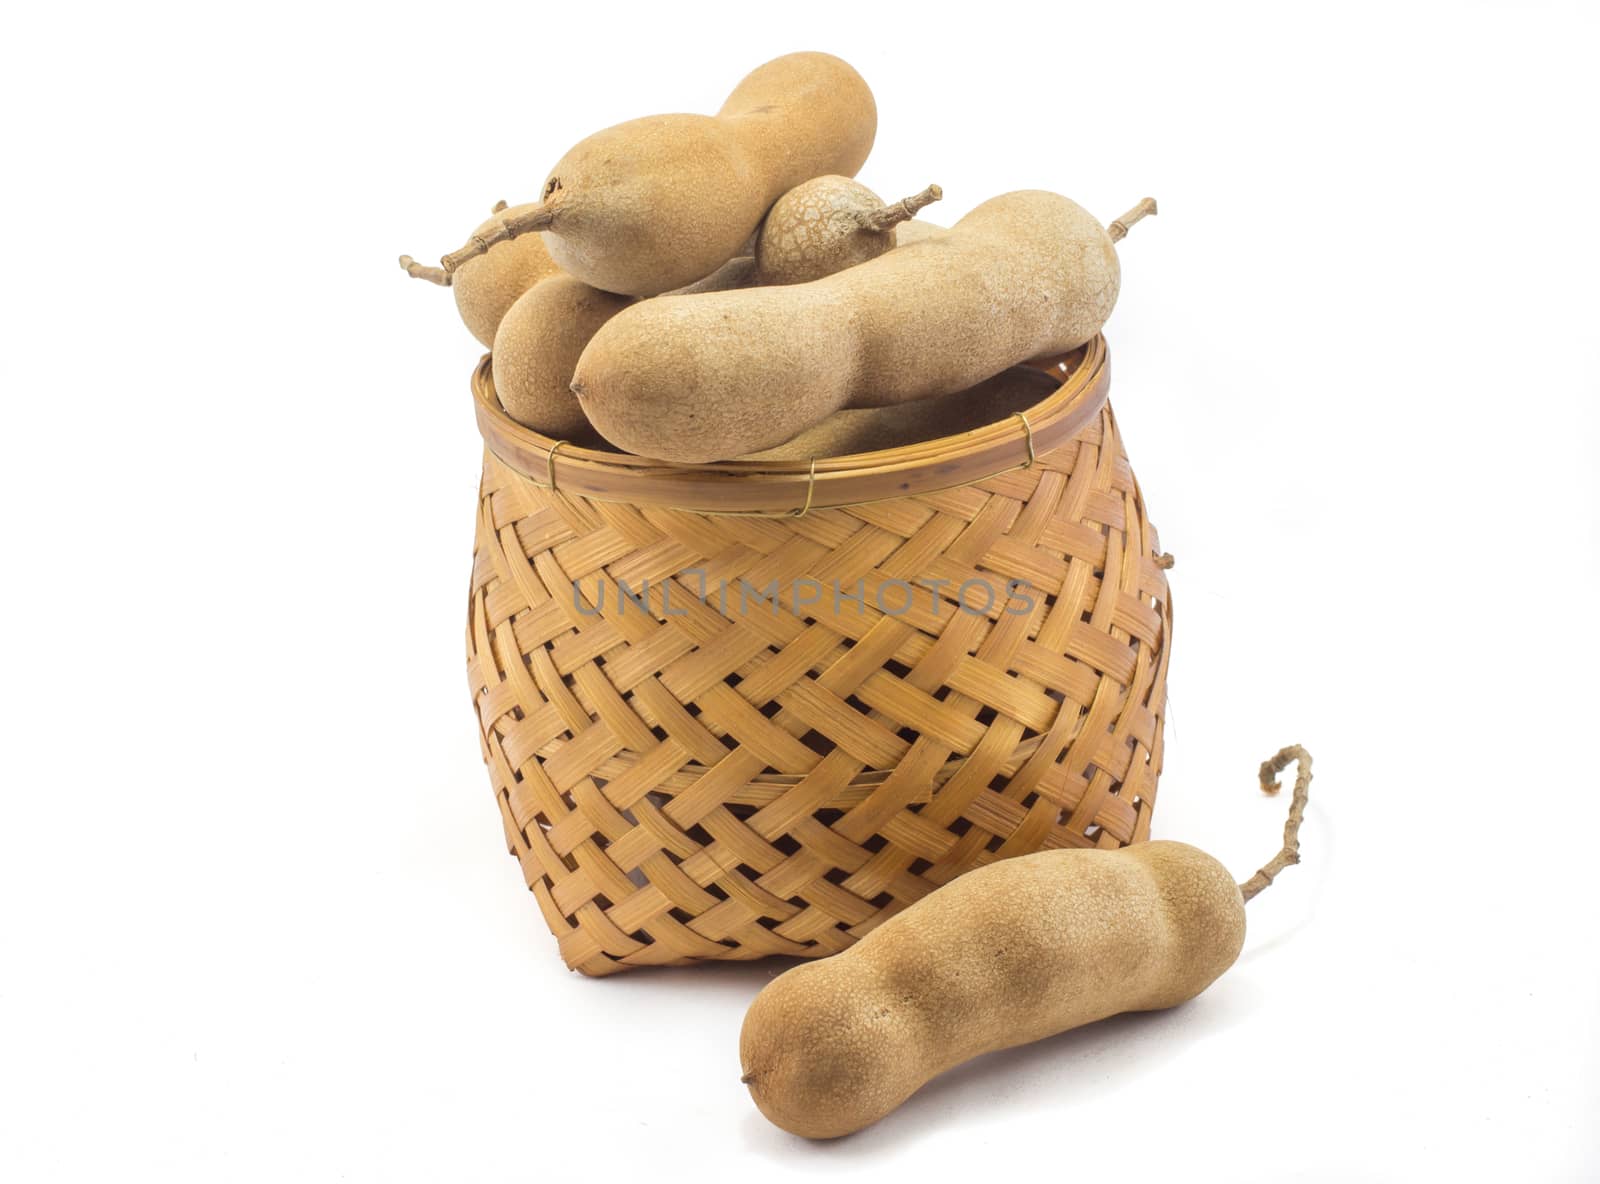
<point>543,334</point>
<point>1007,954</point>
<point>487,286</point>
<point>537,346</point>
<point>656,203</point>
<point>827,224</point>
<point>708,376</point>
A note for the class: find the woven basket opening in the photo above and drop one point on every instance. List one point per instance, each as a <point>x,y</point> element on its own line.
<point>1002,432</point>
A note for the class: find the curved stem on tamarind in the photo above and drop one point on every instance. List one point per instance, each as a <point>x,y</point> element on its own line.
<point>538,218</point>
<point>1118,230</point>
<point>901,211</point>
<point>421,271</point>
<point>1290,854</point>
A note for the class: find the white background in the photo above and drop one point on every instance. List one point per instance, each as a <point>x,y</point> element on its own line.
<point>256,917</point>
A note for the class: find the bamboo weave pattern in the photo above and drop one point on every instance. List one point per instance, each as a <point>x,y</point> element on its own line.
<point>691,781</point>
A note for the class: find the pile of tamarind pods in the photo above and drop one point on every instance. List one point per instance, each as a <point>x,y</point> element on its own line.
<point>700,287</point>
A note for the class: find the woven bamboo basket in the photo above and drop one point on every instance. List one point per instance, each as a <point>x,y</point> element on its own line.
<point>685,774</point>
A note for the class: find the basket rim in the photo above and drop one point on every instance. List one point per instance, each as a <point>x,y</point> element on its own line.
<point>794,487</point>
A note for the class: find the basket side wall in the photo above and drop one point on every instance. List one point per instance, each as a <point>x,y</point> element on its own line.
<point>683,777</point>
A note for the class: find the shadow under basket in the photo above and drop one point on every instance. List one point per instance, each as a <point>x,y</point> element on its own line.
<point>759,707</point>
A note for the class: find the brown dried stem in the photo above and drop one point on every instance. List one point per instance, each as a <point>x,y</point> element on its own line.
<point>537,218</point>
<point>1118,230</point>
<point>498,206</point>
<point>1290,854</point>
<point>421,271</point>
<point>901,211</point>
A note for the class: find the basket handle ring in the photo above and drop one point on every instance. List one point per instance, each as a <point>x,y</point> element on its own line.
<point>811,489</point>
<point>1028,428</point>
<point>550,463</point>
